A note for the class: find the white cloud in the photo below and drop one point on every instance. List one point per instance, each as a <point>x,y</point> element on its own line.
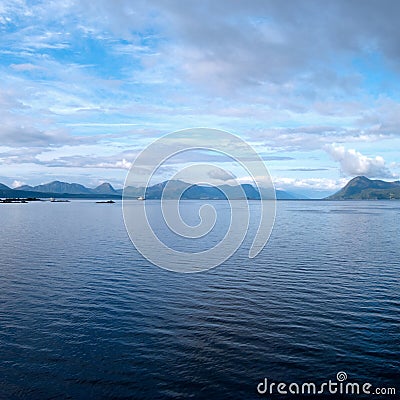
<point>16,184</point>
<point>309,183</point>
<point>123,164</point>
<point>354,163</point>
<point>24,67</point>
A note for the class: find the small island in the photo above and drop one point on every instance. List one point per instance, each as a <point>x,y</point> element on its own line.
<point>17,200</point>
<point>53,200</point>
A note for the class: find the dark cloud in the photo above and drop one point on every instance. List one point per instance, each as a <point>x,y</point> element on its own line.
<point>24,136</point>
<point>275,41</point>
<point>20,155</point>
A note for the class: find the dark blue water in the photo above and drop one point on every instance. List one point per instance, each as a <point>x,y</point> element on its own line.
<point>83,315</point>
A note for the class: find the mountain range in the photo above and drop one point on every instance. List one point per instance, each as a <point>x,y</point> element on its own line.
<point>173,189</point>
<point>168,189</point>
<point>59,189</point>
<point>359,188</point>
<point>362,188</point>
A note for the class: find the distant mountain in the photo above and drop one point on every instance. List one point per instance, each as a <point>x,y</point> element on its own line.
<point>236,192</point>
<point>58,187</point>
<point>283,195</point>
<point>5,190</point>
<point>24,187</point>
<point>104,188</point>
<point>168,189</point>
<point>131,191</point>
<point>174,189</point>
<point>362,188</point>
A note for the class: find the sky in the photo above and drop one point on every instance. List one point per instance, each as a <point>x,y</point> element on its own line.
<point>313,86</point>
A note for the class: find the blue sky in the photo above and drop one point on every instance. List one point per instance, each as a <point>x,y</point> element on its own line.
<point>85,85</point>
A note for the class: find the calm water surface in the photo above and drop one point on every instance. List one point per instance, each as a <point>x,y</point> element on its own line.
<point>83,315</point>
